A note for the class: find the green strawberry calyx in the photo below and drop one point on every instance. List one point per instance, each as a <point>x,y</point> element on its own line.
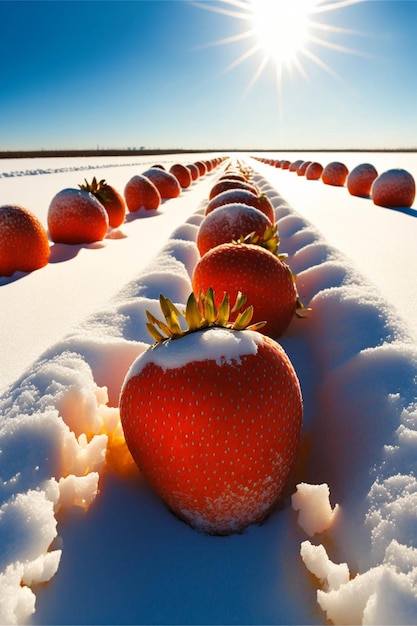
<point>199,314</point>
<point>99,189</point>
<point>270,241</point>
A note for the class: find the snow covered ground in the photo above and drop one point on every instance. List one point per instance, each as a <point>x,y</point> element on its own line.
<point>111,551</point>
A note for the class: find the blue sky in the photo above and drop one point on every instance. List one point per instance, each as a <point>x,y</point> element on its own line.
<point>117,74</point>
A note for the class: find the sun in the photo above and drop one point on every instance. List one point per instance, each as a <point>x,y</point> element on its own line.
<point>282,32</point>
<point>281,28</point>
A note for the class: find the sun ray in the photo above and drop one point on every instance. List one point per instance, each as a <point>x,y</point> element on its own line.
<point>209,7</point>
<point>255,76</point>
<point>226,40</point>
<point>335,46</point>
<point>240,59</point>
<point>301,69</point>
<point>334,5</point>
<point>320,63</point>
<point>337,29</point>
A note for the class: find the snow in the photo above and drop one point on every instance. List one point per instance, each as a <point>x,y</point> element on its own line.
<point>315,511</point>
<point>74,510</point>
<point>217,344</point>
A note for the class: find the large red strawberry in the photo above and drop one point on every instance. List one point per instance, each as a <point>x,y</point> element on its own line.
<point>259,273</point>
<point>212,416</point>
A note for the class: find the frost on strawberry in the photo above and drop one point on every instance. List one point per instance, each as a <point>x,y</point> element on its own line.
<point>212,415</point>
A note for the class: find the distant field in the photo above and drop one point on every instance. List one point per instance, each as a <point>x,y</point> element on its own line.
<point>21,154</point>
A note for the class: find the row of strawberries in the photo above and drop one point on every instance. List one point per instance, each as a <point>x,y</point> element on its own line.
<point>84,215</point>
<point>212,412</point>
<point>393,188</point>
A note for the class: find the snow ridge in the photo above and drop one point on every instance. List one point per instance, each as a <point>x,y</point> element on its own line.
<point>58,170</point>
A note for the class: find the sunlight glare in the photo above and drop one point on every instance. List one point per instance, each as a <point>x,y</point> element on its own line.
<point>281,28</point>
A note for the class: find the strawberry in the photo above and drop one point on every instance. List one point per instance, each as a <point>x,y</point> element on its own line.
<point>259,273</point>
<point>236,167</point>
<point>182,174</point>
<point>110,198</point>
<point>314,171</point>
<point>202,167</point>
<point>394,188</point>
<point>230,183</point>
<point>295,165</point>
<point>230,222</point>
<point>141,193</point>
<point>335,173</point>
<point>360,179</point>
<point>75,216</point>
<point>303,168</point>
<point>166,183</point>
<point>234,175</point>
<point>260,202</point>
<point>194,171</point>
<point>212,415</point>
<point>24,244</point>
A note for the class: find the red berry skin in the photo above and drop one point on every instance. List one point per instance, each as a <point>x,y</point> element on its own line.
<point>256,272</point>
<point>114,204</point>
<point>360,179</point>
<point>314,171</point>
<point>215,438</point>
<point>335,173</point>
<point>194,171</point>
<point>166,183</point>
<point>182,174</point>
<point>141,193</point>
<point>394,189</point>
<point>202,168</point>
<point>76,217</point>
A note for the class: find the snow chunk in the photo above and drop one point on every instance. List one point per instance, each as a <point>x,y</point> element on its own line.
<point>381,595</point>
<point>78,490</point>
<point>315,512</point>
<point>318,563</point>
<point>42,569</point>
<point>65,382</point>
<point>27,528</point>
<point>17,602</point>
